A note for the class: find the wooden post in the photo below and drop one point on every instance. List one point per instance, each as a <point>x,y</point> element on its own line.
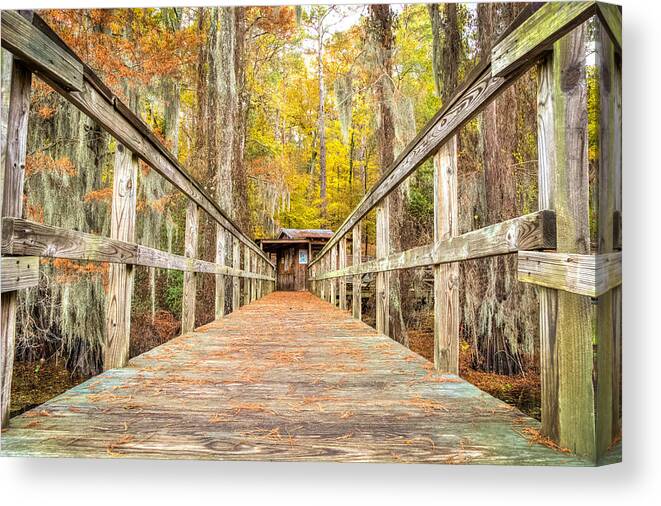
<point>548,297</point>
<point>190,278</point>
<point>12,205</point>
<point>617,291</point>
<point>382,278</point>
<point>322,283</point>
<point>342,259</point>
<point>236,281</point>
<point>356,290</point>
<point>333,281</point>
<point>246,281</point>
<point>221,247</point>
<point>608,182</point>
<point>260,282</point>
<point>253,282</point>
<point>584,327</point>
<point>446,276</point>
<point>120,286</point>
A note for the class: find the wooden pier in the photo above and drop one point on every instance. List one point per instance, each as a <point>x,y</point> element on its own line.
<point>290,378</point>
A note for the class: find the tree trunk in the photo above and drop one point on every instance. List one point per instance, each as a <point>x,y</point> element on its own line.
<point>322,129</point>
<point>501,326</point>
<point>382,35</point>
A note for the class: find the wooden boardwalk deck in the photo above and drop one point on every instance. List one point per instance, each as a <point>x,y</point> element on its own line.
<point>290,378</point>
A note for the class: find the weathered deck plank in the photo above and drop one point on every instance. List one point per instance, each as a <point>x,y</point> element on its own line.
<point>288,377</point>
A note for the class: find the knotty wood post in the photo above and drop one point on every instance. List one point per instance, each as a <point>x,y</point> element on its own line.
<point>236,281</point>
<point>190,277</point>
<point>342,264</point>
<point>246,281</point>
<point>548,297</point>
<point>221,247</point>
<point>333,281</point>
<point>446,275</point>
<point>356,282</point>
<point>584,333</point>
<point>12,205</point>
<point>120,286</point>
<point>382,278</point>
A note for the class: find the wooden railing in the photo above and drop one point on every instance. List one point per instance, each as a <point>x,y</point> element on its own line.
<point>553,244</point>
<point>37,49</point>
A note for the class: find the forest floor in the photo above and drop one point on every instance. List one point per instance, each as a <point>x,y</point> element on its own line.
<point>521,390</point>
<point>34,383</point>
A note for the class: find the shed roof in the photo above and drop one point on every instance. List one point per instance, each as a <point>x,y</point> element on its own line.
<point>305,233</point>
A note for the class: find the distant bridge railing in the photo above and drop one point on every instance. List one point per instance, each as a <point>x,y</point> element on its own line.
<point>553,244</point>
<point>37,49</point>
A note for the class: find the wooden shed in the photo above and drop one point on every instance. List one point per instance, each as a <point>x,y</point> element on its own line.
<point>291,251</point>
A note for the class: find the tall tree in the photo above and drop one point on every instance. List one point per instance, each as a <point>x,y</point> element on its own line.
<point>382,41</point>
<point>499,313</point>
<point>317,21</point>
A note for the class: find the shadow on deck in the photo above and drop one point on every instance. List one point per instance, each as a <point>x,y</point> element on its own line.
<point>288,377</point>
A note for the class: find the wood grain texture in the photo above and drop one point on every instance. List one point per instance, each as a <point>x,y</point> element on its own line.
<point>531,231</point>
<point>382,278</point>
<point>24,237</point>
<point>221,249</point>
<point>12,205</point>
<point>18,273</point>
<point>245,282</point>
<point>609,159</point>
<point>537,34</point>
<point>617,244</point>
<point>589,275</point>
<point>120,277</point>
<point>333,281</point>
<point>446,275</point>
<point>356,284</point>
<point>190,278</point>
<point>318,386</point>
<point>548,297</point>
<point>575,312</point>
<point>342,263</point>
<point>611,18</point>
<point>236,281</point>
<point>97,101</point>
<point>37,52</point>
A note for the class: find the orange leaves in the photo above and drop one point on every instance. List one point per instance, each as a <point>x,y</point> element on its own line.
<point>68,271</point>
<point>41,162</point>
<point>46,111</point>
<point>35,213</point>
<point>102,195</point>
<point>279,20</point>
<point>131,44</point>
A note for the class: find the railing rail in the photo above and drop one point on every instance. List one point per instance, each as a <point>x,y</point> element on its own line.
<point>552,37</point>
<point>37,49</point>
